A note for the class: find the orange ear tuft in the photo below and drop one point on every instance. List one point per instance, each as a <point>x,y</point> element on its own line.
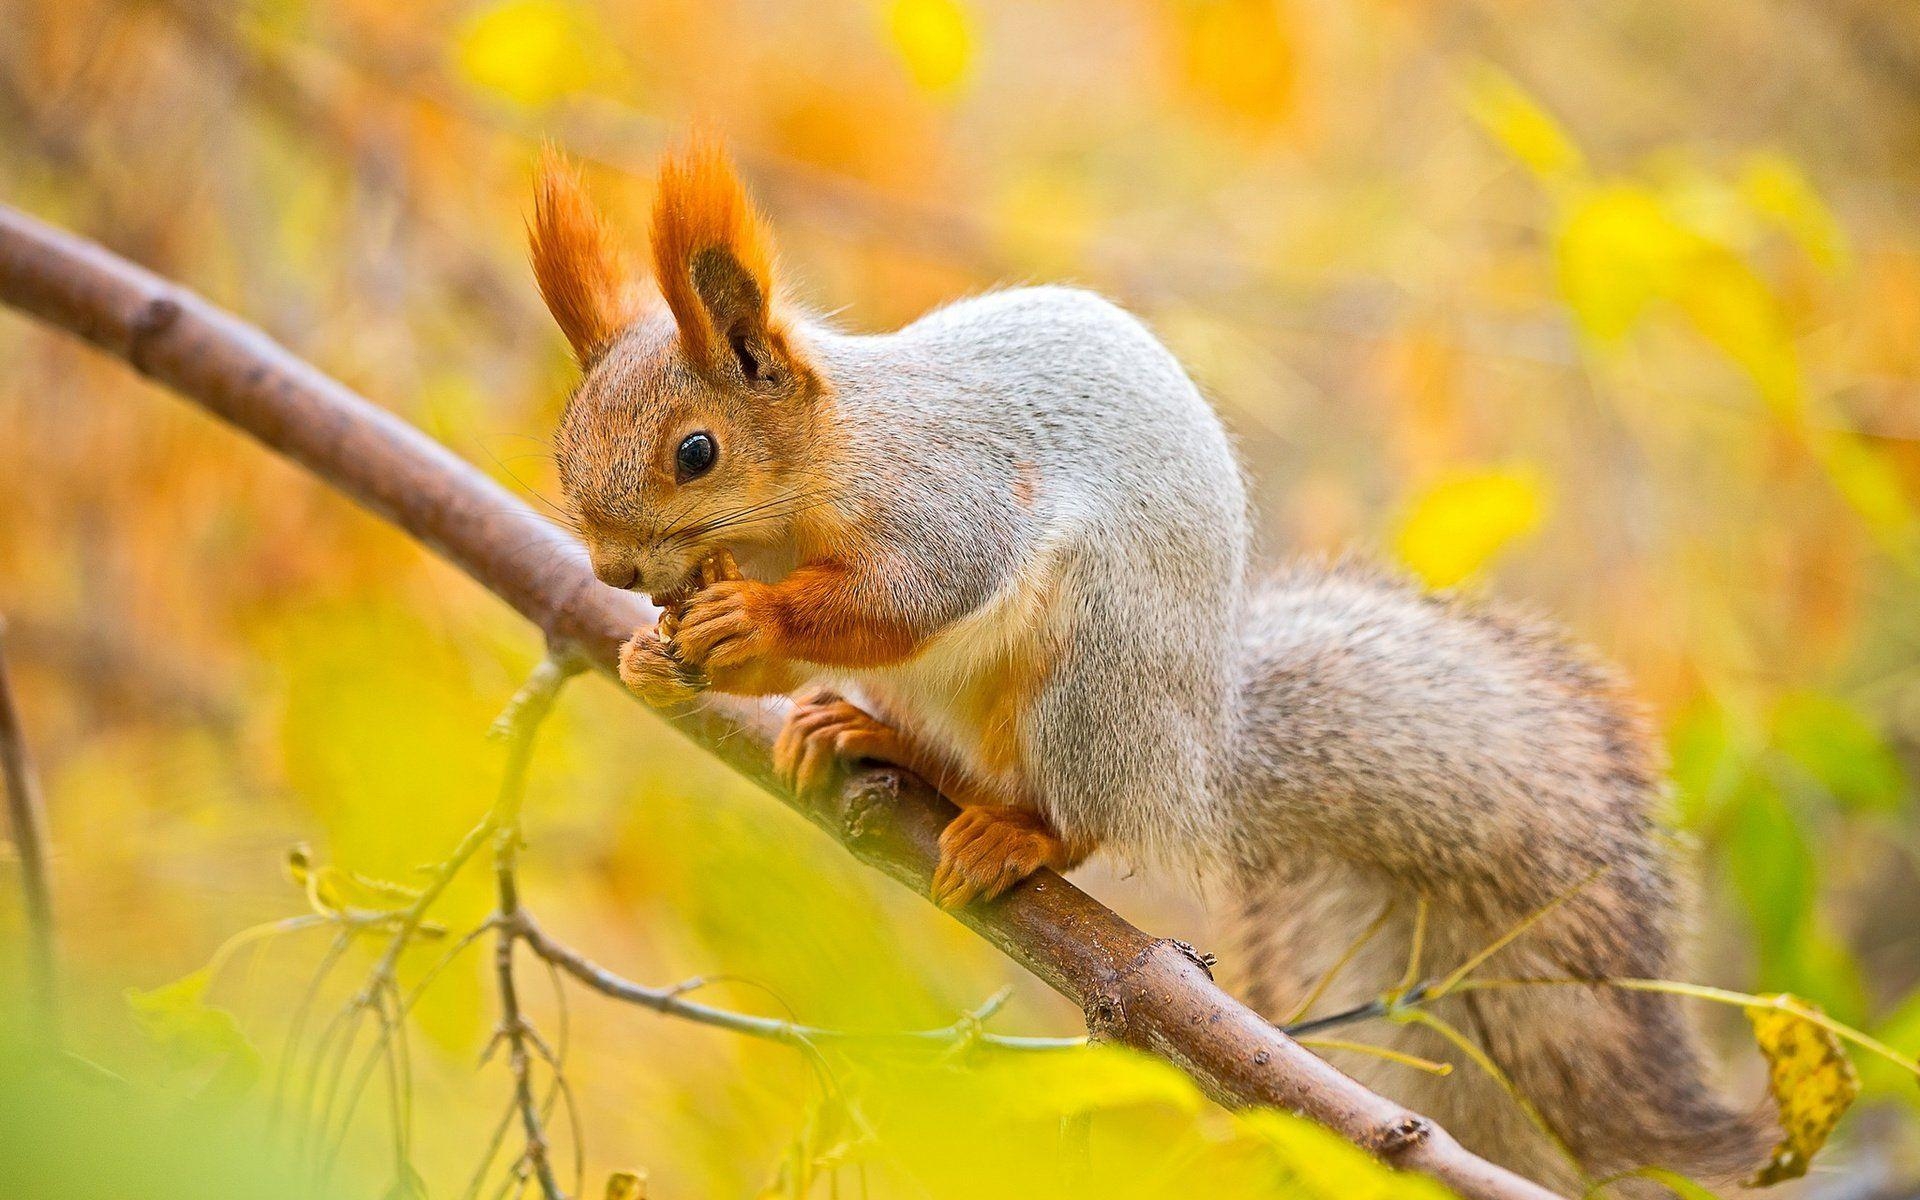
<point>583,276</point>
<point>701,207</point>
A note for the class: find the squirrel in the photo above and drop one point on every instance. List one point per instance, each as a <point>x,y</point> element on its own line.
<point>1007,548</point>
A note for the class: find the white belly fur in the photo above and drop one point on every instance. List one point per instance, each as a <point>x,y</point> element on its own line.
<point>966,695</point>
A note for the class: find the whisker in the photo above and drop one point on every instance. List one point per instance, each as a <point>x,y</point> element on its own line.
<point>776,508</point>
<point>679,533</point>
<point>524,485</point>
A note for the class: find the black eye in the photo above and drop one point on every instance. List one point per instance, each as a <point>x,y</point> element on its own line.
<point>696,454</point>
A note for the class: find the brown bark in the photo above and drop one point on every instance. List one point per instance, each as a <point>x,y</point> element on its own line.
<point>1151,993</point>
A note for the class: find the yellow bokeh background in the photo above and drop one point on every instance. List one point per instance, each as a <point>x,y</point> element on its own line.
<point>1611,310</point>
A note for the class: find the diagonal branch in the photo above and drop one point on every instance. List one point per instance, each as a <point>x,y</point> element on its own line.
<point>1151,993</point>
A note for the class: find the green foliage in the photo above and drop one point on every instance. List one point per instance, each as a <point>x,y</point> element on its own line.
<point>1840,752</point>
<point>1769,793</point>
<point>198,1038</point>
<point>1101,1122</point>
<point>70,1132</point>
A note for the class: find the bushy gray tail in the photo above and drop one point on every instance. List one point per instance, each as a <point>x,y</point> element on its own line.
<point>1400,752</point>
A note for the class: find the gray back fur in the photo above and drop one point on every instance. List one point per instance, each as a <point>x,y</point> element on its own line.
<point>1130,486</point>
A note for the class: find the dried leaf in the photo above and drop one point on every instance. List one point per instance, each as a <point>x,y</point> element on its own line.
<point>1811,1079</point>
<point>627,1185</point>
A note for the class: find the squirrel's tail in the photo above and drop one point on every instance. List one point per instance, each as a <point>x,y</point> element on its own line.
<point>1403,753</point>
<point>1616,1079</point>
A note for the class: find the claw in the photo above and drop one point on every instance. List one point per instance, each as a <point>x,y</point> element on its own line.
<point>821,733</point>
<point>649,667</point>
<point>988,849</point>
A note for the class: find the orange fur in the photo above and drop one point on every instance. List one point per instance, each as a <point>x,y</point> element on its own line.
<point>989,848</point>
<point>583,277</point>
<point>700,205</point>
<point>1006,692</point>
<point>815,616</point>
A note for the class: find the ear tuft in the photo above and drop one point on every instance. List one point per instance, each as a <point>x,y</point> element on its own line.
<point>706,232</point>
<point>582,274</point>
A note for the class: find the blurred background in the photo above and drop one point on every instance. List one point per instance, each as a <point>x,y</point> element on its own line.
<point>1610,308</point>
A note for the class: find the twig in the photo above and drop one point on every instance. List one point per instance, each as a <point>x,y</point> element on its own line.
<point>1340,964</point>
<point>519,723</point>
<point>26,820</point>
<point>1151,993</point>
<point>1717,995</point>
<point>514,1029</point>
<point>1381,1007</point>
<point>670,1001</point>
<point>380,994</point>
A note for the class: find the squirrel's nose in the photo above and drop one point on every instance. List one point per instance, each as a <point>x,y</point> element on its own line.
<point>615,570</point>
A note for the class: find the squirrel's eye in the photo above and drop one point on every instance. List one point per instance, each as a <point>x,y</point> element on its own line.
<point>696,454</point>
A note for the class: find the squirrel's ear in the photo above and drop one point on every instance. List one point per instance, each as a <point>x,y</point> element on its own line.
<point>713,260</point>
<point>585,280</point>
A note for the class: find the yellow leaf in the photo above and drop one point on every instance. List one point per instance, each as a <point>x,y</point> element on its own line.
<point>1237,57</point>
<point>1812,1081</point>
<point>1517,122</point>
<point>1871,484</point>
<point>1730,306</point>
<point>1621,247</point>
<point>1617,250</point>
<point>935,39</point>
<point>532,52</point>
<point>1319,1163</point>
<point>1776,189</point>
<point>1457,526</point>
<point>1044,1087</point>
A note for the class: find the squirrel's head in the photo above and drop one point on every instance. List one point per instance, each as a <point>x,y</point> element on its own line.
<point>692,428</point>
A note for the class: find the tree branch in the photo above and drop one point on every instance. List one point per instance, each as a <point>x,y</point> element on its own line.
<point>1151,993</point>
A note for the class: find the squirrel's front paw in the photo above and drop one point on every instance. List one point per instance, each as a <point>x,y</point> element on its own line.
<point>989,848</point>
<point>821,731</point>
<point>725,626</point>
<point>650,670</point>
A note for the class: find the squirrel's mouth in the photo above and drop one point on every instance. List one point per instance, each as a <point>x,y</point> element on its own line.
<point>675,598</point>
<point>695,576</point>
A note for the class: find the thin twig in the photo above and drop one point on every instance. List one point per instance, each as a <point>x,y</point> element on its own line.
<point>1340,964</point>
<point>514,1028</point>
<point>1381,1007</point>
<point>670,1001</point>
<point>518,725</point>
<point>26,820</point>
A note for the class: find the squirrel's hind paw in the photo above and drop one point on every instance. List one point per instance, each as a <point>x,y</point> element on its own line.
<point>989,848</point>
<point>651,671</point>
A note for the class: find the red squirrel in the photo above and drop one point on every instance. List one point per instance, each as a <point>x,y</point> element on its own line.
<point>1006,548</point>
